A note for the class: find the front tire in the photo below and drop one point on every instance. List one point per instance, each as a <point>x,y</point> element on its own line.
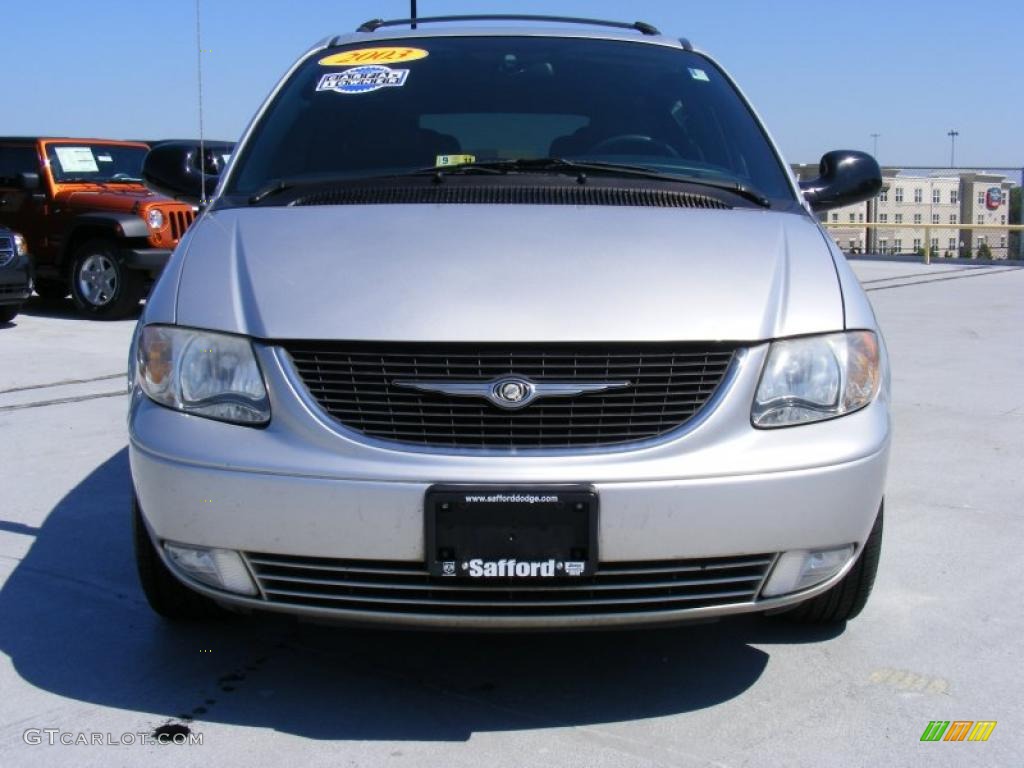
<point>847,598</point>
<point>101,285</point>
<point>164,593</point>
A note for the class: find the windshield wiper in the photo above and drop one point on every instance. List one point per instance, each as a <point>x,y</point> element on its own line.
<point>558,164</point>
<point>523,165</point>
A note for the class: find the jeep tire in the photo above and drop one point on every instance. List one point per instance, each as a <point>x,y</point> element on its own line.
<point>101,285</point>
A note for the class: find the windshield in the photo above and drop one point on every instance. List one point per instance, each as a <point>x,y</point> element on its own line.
<point>358,111</point>
<point>95,162</point>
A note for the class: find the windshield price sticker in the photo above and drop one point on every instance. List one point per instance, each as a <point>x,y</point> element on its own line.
<point>373,56</point>
<point>76,159</point>
<point>363,79</point>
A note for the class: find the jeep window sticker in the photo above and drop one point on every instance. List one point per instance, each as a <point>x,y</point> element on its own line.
<point>76,159</point>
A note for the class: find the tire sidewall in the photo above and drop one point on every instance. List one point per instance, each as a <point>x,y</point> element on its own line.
<point>125,294</point>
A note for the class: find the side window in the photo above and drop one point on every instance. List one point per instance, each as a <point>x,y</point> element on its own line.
<point>14,160</point>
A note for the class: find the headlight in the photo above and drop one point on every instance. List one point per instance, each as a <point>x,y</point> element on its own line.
<point>208,374</point>
<point>20,246</point>
<point>155,218</point>
<point>816,378</point>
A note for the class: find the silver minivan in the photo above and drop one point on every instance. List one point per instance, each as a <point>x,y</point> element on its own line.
<point>505,327</point>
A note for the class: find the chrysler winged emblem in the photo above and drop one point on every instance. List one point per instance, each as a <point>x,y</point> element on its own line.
<point>512,391</point>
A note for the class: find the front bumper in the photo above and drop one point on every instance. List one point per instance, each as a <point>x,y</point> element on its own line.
<point>16,281</point>
<point>306,492</point>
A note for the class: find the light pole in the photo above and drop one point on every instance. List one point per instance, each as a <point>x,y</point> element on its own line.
<point>952,147</point>
<point>874,145</point>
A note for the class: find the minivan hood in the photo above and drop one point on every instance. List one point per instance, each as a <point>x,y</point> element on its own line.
<point>508,273</point>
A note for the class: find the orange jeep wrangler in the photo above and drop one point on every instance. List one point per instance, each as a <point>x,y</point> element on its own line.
<point>92,227</point>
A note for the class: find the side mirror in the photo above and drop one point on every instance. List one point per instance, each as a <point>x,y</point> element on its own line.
<point>175,169</point>
<point>28,182</point>
<point>845,176</point>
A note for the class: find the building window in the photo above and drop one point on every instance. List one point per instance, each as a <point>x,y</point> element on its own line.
<point>883,245</point>
<point>917,243</point>
<point>853,244</point>
<point>899,194</point>
<point>898,218</point>
<point>952,218</point>
<point>853,218</point>
<point>952,243</point>
<point>935,243</point>
<point>1002,219</point>
<point>860,217</point>
<point>936,196</point>
<point>918,197</point>
<point>954,196</point>
<point>935,218</point>
<point>835,218</point>
<point>917,218</point>
<point>981,198</point>
<point>883,218</point>
<point>1002,241</point>
<point>981,218</point>
<point>897,245</point>
<point>883,196</point>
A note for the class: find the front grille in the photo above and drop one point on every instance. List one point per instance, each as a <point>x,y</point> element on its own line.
<point>407,588</point>
<point>12,290</point>
<point>6,251</point>
<point>180,221</point>
<point>354,383</point>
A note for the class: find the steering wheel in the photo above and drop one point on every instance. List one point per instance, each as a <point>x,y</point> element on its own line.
<point>646,145</point>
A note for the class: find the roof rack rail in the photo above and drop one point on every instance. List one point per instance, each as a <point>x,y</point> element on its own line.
<point>374,24</point>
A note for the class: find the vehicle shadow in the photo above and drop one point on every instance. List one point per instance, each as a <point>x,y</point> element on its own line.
<point>74,622</point>
<point>61,309</point>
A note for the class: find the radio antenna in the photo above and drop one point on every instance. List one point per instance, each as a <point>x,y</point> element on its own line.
<point>202,143</point>
<point>412,13</point>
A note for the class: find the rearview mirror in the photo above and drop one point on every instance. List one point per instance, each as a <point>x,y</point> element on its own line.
<point>177,169</point>
<point>845,176</point>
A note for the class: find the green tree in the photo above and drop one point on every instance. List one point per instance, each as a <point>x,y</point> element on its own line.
<point>984,252</point>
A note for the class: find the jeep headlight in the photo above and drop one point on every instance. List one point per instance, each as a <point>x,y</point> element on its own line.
<point>155,218</point>
<point>20,246</point>
<point>817,377</point>
<point>204,373</point>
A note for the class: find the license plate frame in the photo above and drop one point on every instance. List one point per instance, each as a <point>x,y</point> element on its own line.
<point>488,533</point>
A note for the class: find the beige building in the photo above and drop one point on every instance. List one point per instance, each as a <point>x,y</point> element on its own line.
<point>910,202</point>
<point>985,200</point>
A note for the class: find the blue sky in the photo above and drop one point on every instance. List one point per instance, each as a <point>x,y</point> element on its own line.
<point>823,75</point>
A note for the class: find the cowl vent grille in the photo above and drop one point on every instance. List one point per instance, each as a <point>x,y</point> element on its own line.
<point>513,195</point>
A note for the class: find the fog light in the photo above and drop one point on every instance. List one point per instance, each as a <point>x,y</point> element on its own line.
<point>801,568</point>
<point>218,568</point>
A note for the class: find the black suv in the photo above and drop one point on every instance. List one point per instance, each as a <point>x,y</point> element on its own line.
<point>15,274</point>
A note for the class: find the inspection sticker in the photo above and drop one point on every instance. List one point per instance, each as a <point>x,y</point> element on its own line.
<point>443,160</point>
<point>373,56</point>
<point>699,74</point>
<point>363,79</point>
